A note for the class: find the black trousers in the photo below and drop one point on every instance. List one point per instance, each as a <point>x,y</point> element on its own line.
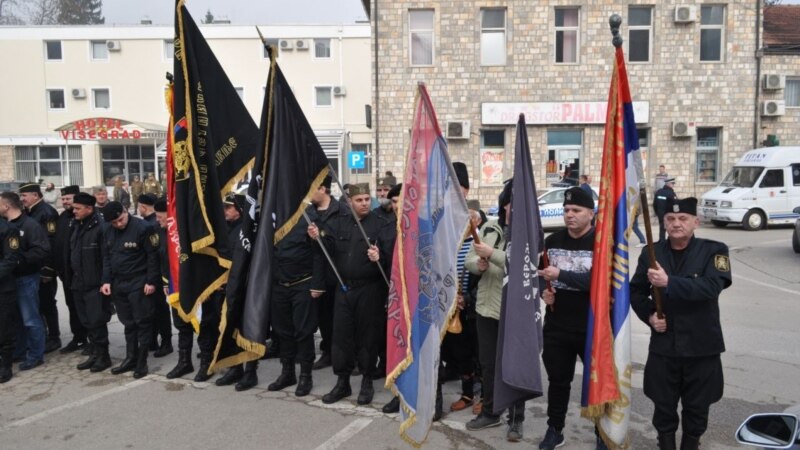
<point>48,308</point>
<point>695,382</point>
<point>162,325</point>
<point>662,231</point>
<point>359,316</point>
<point>488,330</point>
<point>185,331</point>
<point>562,348</point>
<point>75,326</point>
<point>462,348</point>
<point>294,320</point>
<point>209,324</point>
<point>135,311</point>
<point>325,317</point>
<point>94,312</point>
<point>10,321</point>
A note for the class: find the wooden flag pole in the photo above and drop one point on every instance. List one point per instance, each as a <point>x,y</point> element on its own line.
<point>651,250</point>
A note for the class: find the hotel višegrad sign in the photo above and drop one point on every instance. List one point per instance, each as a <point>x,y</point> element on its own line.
<point>100,128</point>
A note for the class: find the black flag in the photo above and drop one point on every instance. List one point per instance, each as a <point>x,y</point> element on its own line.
<point>214,145</point>
<point>290,166</point>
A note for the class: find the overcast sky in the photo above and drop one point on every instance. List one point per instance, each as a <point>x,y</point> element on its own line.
<point>240,12</point>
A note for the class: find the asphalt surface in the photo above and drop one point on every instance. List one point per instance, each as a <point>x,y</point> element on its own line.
<point>56,406</point>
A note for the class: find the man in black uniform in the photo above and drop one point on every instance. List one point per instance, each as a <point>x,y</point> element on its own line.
<point>161,316</point>
<point>684,362</point>
<point>46,216</point>
<point>660,200</point>
<point>131,272</point>
<point>84,277</point>
<point>64,226</point>
<point>9,312</point>
<point>146,208</point>
<point>359,313</point>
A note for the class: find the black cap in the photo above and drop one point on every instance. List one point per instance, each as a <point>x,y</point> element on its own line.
<point>147,199</point>
<point>160,205</point>
<point>112,211</point>
<point>326,183</point>
<point>503,200</point>
<point>462,174</point>
<point>687,205</point>
<point>669,180</point>
<point>577,196</point>
<point>82,198</point>
<point>395,191</point>
<point>30,187</point>
<point>67,190</point>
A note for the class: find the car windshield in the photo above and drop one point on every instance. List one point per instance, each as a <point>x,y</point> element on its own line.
<point>742,176</point>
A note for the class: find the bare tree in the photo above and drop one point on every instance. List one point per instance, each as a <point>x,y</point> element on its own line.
<point>7,16</point>
<point>42,12</point>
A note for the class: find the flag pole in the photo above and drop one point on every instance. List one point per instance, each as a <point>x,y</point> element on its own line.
<point>327,255</point>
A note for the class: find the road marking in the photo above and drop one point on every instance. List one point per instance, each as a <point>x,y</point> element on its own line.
<point>789,291</point>
<point>346,433</point>
<point>75,404</point>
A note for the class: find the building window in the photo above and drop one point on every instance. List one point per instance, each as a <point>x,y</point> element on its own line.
<point>99,51</point>
<point>101,98</point>
<point>492,154</point>
<point>128,161</point>
<point>708,146</point>
<point>564,148</point>
<point>421,37</point>
<point>322,48</point>
<point>59,165</point>
<point>169,49</point>
<point>53,50</point>
<point>323,96</point>
<point>640,33</point>
<point>273,42</point>
<point>493,37</point>
<point>712,27</point>
<point>55,99</point>
<point>792,93</point>
<point>240,92</point>
<point>367,158</point>
<point>567,35</point>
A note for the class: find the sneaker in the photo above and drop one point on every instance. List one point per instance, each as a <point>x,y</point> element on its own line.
<point>552,439</point>
<point>482,421</point>
<point>514,433</point>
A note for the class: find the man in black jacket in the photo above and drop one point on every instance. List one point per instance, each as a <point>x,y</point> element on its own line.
<point>683,363</point>
<point>161,315</point>
<point>46,216</point>
<point>9,312</point>
<point>64,226</point>
<point>84,277</point>
<point>131,272</point>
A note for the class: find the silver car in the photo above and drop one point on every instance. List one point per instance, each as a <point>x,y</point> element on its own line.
<point>551,207</point>
<point>772,430</point>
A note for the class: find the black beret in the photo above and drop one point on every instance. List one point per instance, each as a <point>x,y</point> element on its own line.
<point>160,205</point>
<point>112,211</point>
<point>395,191</point>
<point>82,198</point>
<point>67,190</point>
<point>577,196</point>
<point>687,205</point>
<point>462,174</point>
<point>30,187</point>
<point>147,199</point>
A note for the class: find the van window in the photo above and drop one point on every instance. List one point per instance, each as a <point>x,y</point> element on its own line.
<point>773,178</point>
<point>742,176</point>
<point>796,174</point>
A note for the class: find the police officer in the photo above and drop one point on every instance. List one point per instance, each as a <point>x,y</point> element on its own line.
<point>64,226</point>
<point>84,277</point>
<point>359,313</point>
<point>9,312</point>
<point>131,272</point>
<point>662,197</point>
<point>683,363</point>
<point>161,318</point>
<point>46,216</point>
<point>34,254</point>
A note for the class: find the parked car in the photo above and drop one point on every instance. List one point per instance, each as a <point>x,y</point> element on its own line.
<point>771,430</point>
<point>551,207</point>
<point>796,234</point>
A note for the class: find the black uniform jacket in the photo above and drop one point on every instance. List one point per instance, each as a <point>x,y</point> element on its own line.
<point>320,218</point>
<point>47,217</point>
<point>697,276</point>
<point>660,200</point>
<point>60,250</point>
<point>9,258</point>
<point>34,246</point>
<point>346,245</point>
<point>132,253</point>
<point>85,253</point>
<point>298,257</point>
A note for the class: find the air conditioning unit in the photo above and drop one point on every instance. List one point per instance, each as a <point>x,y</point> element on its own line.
<point>78,93</point>
<point>457,129</point>
<point>774,81</point>
<point>685,14</point>
<point>113,46</point>
<point>339,91</point>
<point>773,108</point>
<point>285,44</point>
<point>684,129</point>
<point>301,44</point>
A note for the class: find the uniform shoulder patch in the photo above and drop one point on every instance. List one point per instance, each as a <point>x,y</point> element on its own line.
<point>722,263</point>
<point>154,239</point>
<point>51,227</point>
<point>13,243</point>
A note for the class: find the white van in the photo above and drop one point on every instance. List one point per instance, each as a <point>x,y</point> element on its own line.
<point>762,188</point>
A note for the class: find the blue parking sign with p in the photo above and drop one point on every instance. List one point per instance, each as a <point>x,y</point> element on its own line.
<point>356,160</point>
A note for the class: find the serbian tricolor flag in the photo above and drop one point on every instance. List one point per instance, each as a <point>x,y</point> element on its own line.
<point>607,360</point>
<point>423,289</point>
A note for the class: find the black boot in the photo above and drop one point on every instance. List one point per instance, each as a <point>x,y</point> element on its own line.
<point>165,348</point>
<point>129,363</point>
<point>202,371</point>
<point>304,383</point>
<point>286,378</point>
<point>184,365</point>
<point>392,407</point>
<point>89,362</point>
<point>666,441</point>
<point>367,391</point>
<point>103,360</point>
<point>437,410</point>
<point>233,375</point>
<point>5,369</point>
<point>141,364</point>
<point>249,378</point>
<point>340,391</point>
<point>689,442</point>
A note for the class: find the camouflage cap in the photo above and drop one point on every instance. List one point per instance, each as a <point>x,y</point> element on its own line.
<point>359,189</point>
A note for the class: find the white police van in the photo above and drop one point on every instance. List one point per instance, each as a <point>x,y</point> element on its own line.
<point>762,188</point>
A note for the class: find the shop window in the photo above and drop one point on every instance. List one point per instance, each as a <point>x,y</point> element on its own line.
<point>708,150</point>
<point>55,164</point>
